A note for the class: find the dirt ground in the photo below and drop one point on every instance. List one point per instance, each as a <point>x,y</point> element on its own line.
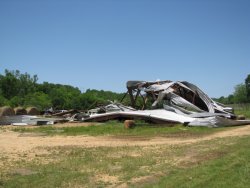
<point>12,143</point>
<point>15,146</point>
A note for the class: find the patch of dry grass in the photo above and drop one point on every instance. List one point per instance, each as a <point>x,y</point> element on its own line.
<point>113,166</point>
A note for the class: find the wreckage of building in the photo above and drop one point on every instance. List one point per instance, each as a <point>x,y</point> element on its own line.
<point>170,102</point>
<point>161,102</point>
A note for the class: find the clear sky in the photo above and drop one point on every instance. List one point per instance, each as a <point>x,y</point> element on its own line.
<point>100,44</point>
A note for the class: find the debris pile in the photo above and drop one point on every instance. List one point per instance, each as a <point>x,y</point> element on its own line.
<point>29,116</point>
<point>162,102</point>
<point>172,102</point>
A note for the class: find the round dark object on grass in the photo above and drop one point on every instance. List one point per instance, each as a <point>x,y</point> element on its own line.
<point>20,111</point>
<point>128,124</point>
<point>32,111</point>
<point>241,117</point>
<point>6,111</point>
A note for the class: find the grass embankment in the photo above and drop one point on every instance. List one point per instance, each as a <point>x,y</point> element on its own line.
<point>116,128</point>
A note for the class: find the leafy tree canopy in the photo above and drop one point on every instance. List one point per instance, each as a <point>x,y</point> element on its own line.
<point>22,89</point>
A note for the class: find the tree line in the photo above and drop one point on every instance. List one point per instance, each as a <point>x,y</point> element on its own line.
<point>22,89</point>
<point>241,94</point>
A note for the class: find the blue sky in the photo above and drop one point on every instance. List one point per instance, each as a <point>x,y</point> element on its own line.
<point>102,44</point>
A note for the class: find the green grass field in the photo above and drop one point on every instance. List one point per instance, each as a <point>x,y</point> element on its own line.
<point>116,128</point>
<point>220,163</point>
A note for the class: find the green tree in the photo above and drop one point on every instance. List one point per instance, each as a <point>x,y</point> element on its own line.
<point>18,89</point>
<point>222,99</point>
<point>9,84</point>
<point>3,101</point>
<point>39,100</point>
<point>89,100</point>
<point>247,83</point>
<point>230,99</point>
<point>240,94</point>
<point>13,83</point>
<point>16,101</point>
<point>64,96</point>
<point>27,84</point>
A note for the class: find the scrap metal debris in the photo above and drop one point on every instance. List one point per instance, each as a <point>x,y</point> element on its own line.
<point>29,116</point>
<point>172,102</point>
<point>29,120</point>
<point>159,102</point>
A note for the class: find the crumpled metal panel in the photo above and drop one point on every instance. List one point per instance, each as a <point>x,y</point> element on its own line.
<point>217,121</point>
<point>177,102</point>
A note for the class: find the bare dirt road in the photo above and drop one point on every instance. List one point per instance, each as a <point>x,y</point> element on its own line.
<point>14,142</point>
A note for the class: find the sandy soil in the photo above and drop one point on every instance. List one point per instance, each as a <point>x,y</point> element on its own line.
<point>13,142</point>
